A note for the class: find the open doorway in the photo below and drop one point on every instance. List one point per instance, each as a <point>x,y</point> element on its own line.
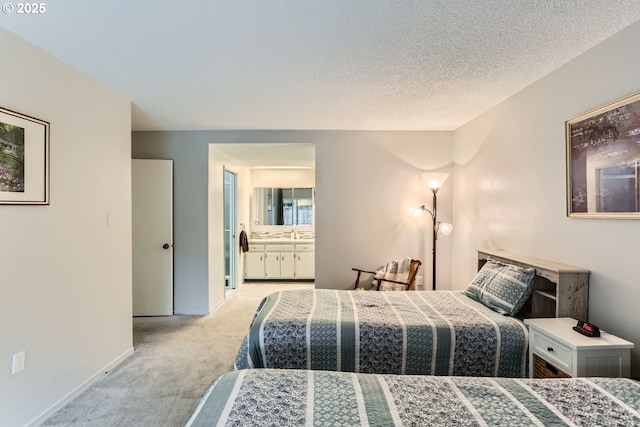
<point>252,165</point>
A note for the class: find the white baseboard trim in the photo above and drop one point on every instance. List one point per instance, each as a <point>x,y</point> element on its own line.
<point>82,387</point>
<point>216,306</point>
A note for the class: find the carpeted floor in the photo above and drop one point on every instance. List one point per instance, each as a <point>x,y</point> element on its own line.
<point>176,359</point>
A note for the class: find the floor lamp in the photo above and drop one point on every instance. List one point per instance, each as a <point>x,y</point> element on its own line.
<point>434,182</point>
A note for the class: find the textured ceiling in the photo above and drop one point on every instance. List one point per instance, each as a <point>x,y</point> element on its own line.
<point>318,64</point>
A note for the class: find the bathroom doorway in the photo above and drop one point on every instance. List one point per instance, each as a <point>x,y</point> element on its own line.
<point>232,169</point>
<point>230,229</point>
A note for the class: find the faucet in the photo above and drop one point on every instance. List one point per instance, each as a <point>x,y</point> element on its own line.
<point>293,234</point>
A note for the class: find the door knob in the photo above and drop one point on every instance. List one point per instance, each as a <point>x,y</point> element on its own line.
<point>166,246</point>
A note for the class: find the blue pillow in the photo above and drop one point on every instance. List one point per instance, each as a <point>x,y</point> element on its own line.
<point>501,287</point>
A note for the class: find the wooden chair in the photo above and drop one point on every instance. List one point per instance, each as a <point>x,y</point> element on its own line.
<point>408,285</point>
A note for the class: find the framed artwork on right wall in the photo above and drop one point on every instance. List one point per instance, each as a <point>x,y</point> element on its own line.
<point>603,161</point>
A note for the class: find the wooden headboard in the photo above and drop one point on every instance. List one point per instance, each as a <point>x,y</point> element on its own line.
<point>559,290</point>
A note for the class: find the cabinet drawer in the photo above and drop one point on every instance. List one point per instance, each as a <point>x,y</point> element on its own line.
<point>256,248</point>
<point>558,354</point>
<point>305,248</point>
<point>280,248</point>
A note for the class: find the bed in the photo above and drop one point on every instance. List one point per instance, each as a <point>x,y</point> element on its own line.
<point>437,333</point>
<point>275,397</point>
<point>461,333</point>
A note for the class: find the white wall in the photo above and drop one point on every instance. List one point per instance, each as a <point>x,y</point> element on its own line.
<point>510,184</point>
<point>218,162</point>
<point>283,178</point>
<point>216,227</point>
<point>368,184</point>
<point>66,276</point>
<point>244,206</point>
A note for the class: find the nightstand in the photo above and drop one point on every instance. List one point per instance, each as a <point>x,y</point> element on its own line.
<point>556,350</point>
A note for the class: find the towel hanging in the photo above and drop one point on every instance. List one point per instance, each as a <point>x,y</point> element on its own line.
<point>244,241</point>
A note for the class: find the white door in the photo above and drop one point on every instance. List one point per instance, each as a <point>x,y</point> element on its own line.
<point>152,201</point>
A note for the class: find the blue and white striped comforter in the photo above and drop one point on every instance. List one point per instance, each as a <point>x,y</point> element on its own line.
<point>421,332</point>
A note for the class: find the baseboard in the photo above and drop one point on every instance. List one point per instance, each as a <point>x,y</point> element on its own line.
<point>82,387</point>
<point>216,306</point>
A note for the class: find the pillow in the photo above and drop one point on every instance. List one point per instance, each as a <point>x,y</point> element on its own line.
<point>501,287</point>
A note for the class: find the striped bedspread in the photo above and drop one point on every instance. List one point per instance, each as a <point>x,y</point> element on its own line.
<point>266,397</point>
<point>437,333</point>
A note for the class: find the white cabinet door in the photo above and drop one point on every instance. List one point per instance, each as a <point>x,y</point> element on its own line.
<point>287,265</point>
<point>272,265</point>
<point>254,265</point>
<point>305,265</point>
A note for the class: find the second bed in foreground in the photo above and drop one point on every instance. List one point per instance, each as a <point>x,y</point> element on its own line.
<point>266,397</point>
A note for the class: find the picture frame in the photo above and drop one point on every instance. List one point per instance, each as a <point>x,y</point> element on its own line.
<point>603,161</point>
<point>24,159</point>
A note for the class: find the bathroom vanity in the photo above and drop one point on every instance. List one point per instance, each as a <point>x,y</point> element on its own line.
<point>280,258</point>
<point>282,244</point>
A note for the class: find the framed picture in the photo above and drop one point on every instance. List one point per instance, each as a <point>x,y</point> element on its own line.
<point>603,161</point>
<point>24,159</point>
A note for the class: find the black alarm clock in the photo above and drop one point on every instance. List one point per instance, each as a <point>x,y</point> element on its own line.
<point>587,329</point>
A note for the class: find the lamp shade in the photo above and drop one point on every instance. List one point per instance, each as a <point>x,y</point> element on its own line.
<point>445,228</point>
<point>417,212</point>
<point>435,179</point>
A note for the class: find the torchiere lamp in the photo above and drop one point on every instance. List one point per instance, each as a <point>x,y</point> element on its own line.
<point>434,182</point>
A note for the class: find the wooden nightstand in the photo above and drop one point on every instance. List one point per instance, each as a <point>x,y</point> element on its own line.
<point>556,350</point>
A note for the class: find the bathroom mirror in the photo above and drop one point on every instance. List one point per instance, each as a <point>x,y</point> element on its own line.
<point>283,206</point>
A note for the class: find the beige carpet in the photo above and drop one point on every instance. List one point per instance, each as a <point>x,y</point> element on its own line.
<point>176,359</point>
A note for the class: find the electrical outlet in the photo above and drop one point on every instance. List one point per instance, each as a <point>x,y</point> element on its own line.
<point>19,360</point>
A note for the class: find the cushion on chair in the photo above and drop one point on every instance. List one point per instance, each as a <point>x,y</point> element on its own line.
<point>502,287</point>
<point>394,271</point>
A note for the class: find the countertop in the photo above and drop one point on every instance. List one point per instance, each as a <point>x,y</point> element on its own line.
<point>254,241</point>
